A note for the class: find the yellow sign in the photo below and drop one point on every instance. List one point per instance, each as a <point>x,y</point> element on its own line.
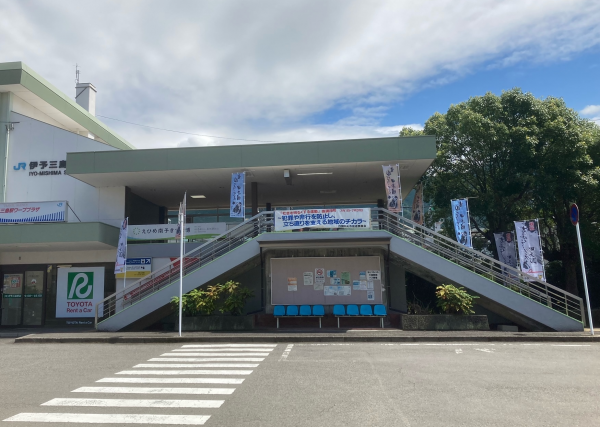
<point>133,274</point>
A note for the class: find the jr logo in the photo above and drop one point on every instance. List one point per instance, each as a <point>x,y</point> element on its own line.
<point>80,285</point>
<point>19,166</point>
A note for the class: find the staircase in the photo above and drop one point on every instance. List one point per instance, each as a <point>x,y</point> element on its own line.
<point>515,295</point>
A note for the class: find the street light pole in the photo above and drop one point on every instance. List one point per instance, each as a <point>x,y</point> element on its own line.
<point>574,216</point>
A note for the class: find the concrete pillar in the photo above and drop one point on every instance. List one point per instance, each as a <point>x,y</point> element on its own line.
<point>5,109</point>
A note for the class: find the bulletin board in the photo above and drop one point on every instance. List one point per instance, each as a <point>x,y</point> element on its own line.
<point>326,280</point>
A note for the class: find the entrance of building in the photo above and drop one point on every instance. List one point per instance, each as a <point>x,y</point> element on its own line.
<point>23,296</point>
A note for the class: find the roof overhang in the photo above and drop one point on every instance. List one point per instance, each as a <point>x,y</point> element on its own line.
<point>73,236</point>
<point>23,82</point>
<point>322,172</point>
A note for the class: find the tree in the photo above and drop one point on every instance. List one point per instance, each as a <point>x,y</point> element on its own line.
<point>518,157</point>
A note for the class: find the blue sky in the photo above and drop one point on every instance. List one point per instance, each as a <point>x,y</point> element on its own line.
<point>300,70</point>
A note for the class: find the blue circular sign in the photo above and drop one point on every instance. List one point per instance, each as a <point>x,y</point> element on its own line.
<point>574,214</point>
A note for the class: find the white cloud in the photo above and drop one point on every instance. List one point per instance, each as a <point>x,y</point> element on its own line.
<point>263,69</point>
<point>592,112</point>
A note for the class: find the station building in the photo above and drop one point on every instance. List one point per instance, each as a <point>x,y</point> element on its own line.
<point>58,151</point>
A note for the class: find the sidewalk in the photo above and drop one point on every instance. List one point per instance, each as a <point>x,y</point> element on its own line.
<point>294,336</point>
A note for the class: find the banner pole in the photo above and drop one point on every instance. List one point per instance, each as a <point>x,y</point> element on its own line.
<point>181,219</point>
<point>587,295</point>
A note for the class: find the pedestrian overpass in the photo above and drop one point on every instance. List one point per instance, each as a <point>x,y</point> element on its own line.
<point>529,303</point>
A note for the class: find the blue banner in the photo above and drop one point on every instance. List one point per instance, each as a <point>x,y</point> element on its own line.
<point>237,207</point>
<point>462,227</point>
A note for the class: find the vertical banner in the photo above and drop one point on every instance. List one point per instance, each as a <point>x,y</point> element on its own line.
<point>391,174</point>
<point>530,248</point>
<point>237,207</point>
<point>507,251</point>
<point>122,248</point>
<point>462,226</point>
<point>417,206</point>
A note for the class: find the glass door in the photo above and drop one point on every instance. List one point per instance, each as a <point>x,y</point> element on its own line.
<point>33,298</point>
<point>12,293</point>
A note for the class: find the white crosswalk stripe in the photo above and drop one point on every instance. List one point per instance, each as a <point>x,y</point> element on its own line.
<point>225,349</point>
<point>196,365</point>
<point>207,359</point>
<point>111,418</point>
<point>154,390</point>
<point>194,372</point>
<point>229,345</point>
<point>136,403</point>
<point>220,373</point>
<point>172,380</point>
<point>215,354</point>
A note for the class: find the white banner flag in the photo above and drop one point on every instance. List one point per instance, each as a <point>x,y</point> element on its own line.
<point>237,207</point>
<point>417,206</point>
<point>122,248</point>
<point>391,174</point>
<point>322,218</point>
<point>507,251</point>
<point>530,248</point>
<point>462,224</point>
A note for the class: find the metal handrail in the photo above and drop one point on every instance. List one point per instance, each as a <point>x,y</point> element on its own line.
<point>382,219</point>
<point>499,273</point>
<point>194,259</point>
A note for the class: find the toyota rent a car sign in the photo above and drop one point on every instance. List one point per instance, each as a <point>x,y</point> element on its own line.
<point>78,290</point>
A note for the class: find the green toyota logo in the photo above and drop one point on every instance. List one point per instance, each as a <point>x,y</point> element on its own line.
<point>80,285</point>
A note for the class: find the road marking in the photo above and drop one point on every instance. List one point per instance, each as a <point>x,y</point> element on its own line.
<point>228,345</point>
<point>196,365</point>
<point>458,351</point>
<point>111,418</point>
<point>188,372</point>
<point>207,359</point>
<point>227,349</point>
<point>154,390</point>
<point>216,354</point>
<point>570,345</point>
<point>286,352</point>
<point>172,380</point>
<point>136,403</point>
<point>485,350</point>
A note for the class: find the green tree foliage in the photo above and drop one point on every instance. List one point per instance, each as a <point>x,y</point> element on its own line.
<point>519,157</point>
<point>228,298</point>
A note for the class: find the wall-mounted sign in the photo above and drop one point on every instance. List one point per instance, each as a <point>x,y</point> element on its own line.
<point>136,268</point>
<point>15,213</point>
<point>42,167</point>
<point>78,290</point>
<point>322,218</point>
<point>169,231</point>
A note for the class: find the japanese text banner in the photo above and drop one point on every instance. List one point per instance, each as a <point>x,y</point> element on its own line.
<point>15,213</point>
<point>322,218</point>
<point>507,251</point>
<point>462,226</point>
<point>530,248</point>
<point>238,203</point>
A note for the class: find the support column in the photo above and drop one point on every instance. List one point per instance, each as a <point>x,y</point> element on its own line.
<point>254,198</point>
<point>5,109</point>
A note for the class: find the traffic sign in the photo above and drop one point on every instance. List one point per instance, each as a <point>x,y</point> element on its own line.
<point>574,214</point>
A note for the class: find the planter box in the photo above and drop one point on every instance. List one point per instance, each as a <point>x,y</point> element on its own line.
<point>217,323</point>
<point>444,322</point>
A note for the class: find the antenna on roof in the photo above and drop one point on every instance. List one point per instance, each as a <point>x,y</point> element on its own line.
<point>76,74</point>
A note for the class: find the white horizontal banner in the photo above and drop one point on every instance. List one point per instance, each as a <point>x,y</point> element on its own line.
<point>169,231</point>
<point>14,213</point>
<point>322,218</point>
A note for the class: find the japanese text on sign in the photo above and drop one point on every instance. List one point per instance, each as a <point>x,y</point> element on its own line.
<point>322,218</point>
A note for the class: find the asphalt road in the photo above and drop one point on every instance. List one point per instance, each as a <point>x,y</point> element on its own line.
<point>482,384</point>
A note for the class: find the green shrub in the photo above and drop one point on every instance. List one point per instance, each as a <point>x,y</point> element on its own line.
<point>453,300</point>
<point>228,298</point>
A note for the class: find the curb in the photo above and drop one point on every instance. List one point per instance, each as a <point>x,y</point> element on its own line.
<point>300,339</point>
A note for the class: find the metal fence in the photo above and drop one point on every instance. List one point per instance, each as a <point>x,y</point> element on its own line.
<point>381,219</point>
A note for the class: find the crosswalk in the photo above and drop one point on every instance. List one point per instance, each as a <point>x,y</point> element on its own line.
<point>221,365</point>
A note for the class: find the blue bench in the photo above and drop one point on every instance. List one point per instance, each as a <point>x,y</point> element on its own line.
<point>365,310</point>
<point>305,311</point>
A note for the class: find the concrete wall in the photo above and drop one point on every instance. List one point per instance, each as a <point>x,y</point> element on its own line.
<point>57,257</point>
<point>397,287</point>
